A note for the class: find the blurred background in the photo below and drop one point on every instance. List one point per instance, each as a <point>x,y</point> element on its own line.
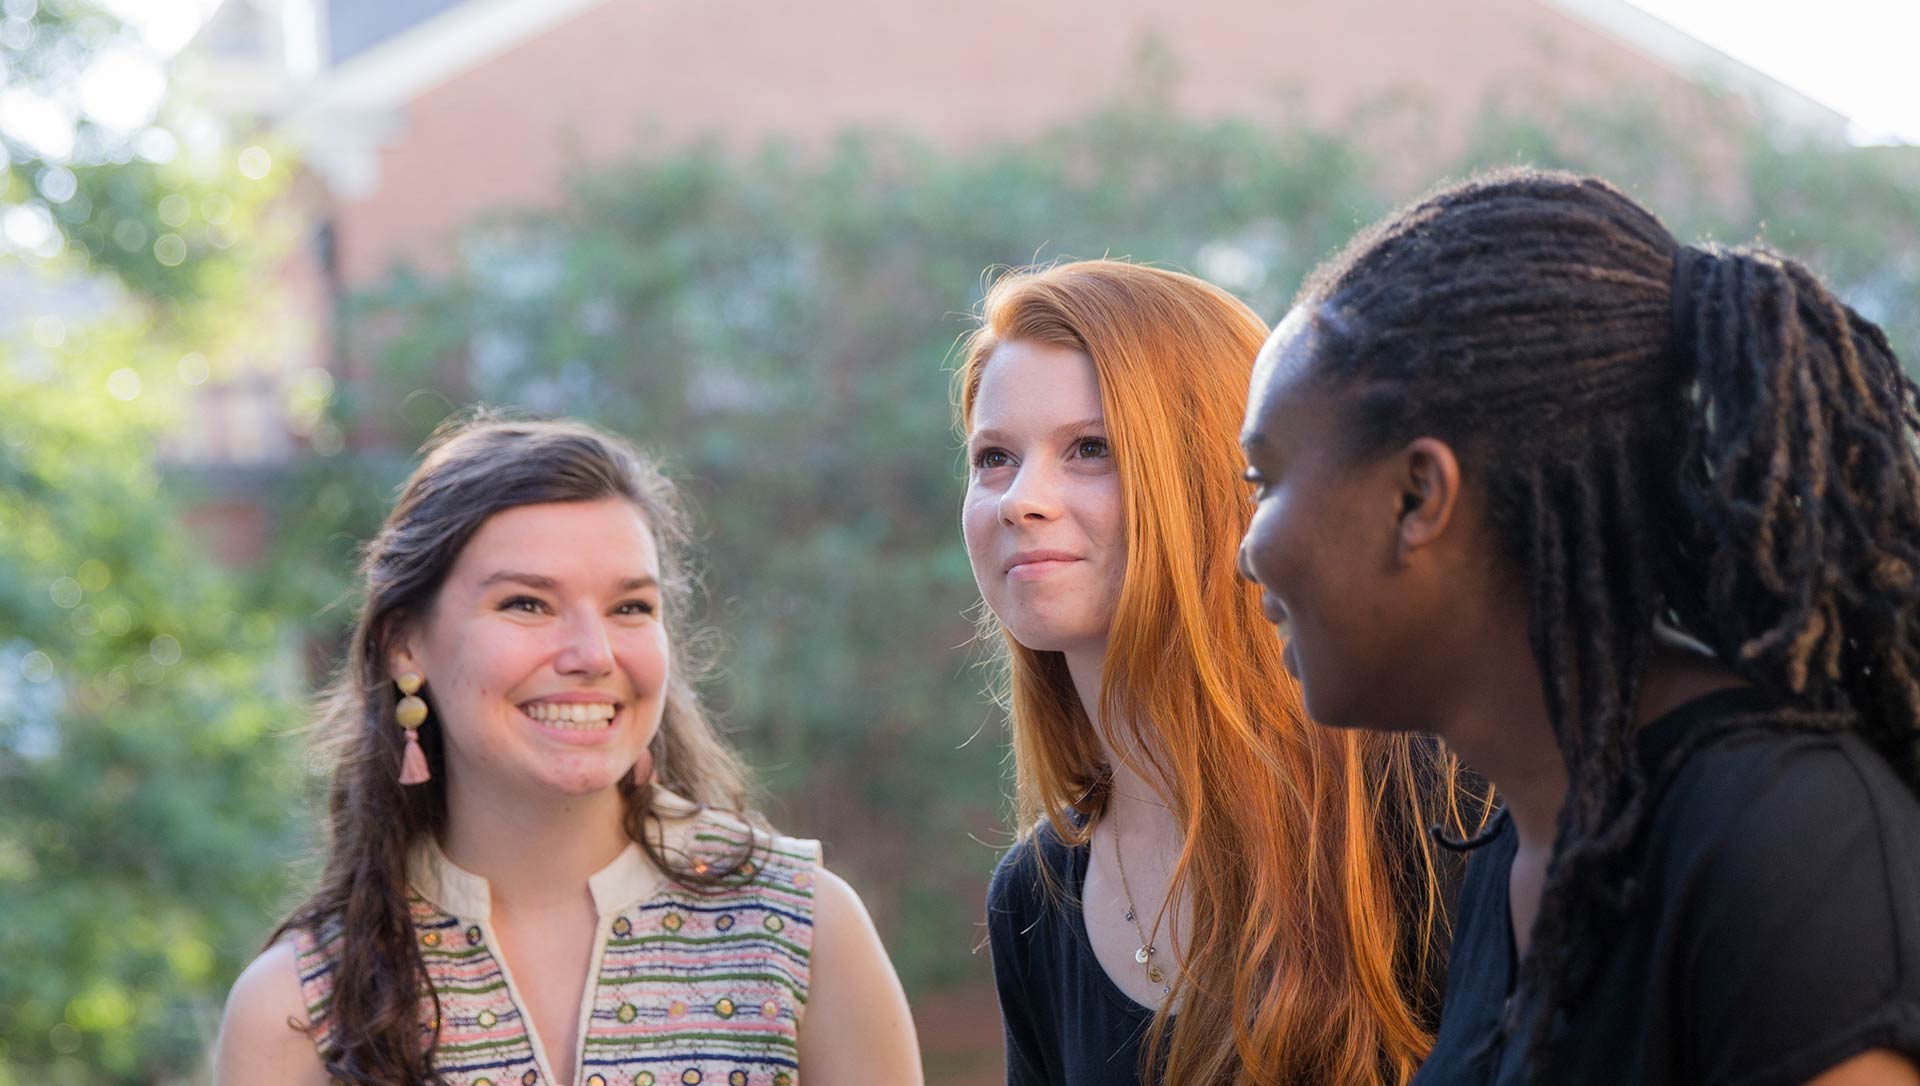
<point>252,251</point>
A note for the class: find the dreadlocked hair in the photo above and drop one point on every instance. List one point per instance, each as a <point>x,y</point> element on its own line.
<point>1698,437</point>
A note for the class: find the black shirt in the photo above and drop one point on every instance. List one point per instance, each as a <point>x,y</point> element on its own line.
<point>1067,1023</point>
<point>1776,931</point>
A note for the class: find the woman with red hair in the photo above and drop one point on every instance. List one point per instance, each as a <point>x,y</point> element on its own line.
<point>1206,888</point>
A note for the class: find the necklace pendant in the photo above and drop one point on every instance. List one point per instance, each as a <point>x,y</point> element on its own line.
<point>1155,975</point>
<point>1129,916</point>
<point>1143,954</point>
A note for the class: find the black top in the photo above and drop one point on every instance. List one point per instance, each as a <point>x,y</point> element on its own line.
<point>1067,1023</point>
<point>1776,931</point>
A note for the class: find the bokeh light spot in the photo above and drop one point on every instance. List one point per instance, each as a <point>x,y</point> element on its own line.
<point>255,163</point>
<point>193,368</point>
<point>170,249</point>
<point>65,592</point>
<point>123,384</point>
<point>165,650</point>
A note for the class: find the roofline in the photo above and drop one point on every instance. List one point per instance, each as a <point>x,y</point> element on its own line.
<point>1688,56</point>
<point>430,52</point>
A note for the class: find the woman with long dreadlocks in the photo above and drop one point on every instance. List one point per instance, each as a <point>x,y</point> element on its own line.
<point>1635,527</point>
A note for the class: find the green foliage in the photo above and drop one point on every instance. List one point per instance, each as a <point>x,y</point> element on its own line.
<point>117,202</point>
<point>149,799</point>
<point>145,813</point>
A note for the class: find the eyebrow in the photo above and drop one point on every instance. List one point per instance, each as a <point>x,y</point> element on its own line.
<point>548,584</point>
<point>1094,422</point>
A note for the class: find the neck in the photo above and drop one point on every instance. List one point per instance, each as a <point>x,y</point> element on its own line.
<point>534,852</point>
<point>1501,728</point>
<point>1492,712</point>
<point>1131,790</point>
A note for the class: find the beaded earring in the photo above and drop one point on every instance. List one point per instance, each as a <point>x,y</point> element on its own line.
<point>410,714</point>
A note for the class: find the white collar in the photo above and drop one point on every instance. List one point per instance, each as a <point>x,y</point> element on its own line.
<point>629,878</point>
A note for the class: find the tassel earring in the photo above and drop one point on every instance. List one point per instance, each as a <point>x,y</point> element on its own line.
<point>411,713</point>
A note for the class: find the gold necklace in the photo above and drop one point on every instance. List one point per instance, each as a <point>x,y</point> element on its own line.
<point>1144,955</point>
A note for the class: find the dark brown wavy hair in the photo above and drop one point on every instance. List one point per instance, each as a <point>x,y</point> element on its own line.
<point>473,468</point>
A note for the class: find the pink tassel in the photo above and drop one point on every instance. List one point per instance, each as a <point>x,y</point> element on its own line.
<point>413,766</point>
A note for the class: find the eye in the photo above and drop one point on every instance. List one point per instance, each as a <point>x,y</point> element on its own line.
<point>991,457</point>
<point>636,607</point>
<point>1090,448</point>
<point>1254,482</point>
<point>531,605</point>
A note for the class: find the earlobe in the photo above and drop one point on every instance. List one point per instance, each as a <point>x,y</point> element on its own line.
<point>1430,494</point>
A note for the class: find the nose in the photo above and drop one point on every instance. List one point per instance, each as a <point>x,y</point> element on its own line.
<point>1243,560</point>
<point>1032,495</point>
<point>586,650</point>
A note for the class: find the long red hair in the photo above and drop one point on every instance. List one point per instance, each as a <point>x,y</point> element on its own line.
<point>1310,879</point>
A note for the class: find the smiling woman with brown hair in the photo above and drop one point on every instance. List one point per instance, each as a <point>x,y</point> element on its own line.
<point>1207,889</point>
<point>542,866</point>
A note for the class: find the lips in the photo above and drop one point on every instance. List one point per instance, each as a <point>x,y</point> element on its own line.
<point>1038,561</point>
<point>1277,615</point>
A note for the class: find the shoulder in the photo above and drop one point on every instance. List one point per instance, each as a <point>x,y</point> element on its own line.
<point>1786,872</point>
<point>1751,801</point>
<point>840,919</point>
<point>856,1023</point>
<point>1021,876</point>
<point>263,1034</point>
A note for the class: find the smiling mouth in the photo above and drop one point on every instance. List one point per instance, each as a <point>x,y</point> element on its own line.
<point>581,716</point>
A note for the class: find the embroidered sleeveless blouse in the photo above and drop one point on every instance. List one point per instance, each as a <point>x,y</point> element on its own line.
<point>689,987</point>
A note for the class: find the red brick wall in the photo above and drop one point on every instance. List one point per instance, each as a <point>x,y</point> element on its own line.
<point>629,73</point>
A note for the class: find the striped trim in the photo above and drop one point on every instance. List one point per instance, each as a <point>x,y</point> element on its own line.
<point>692,985</point>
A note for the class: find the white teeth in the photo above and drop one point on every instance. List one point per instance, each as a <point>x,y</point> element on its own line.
<point>582,716</point>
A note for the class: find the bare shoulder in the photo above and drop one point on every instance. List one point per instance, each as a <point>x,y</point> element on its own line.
<point>837,908</point>
<point>857,1027</point>
<point>843,929</point>
<point>262,1036</point>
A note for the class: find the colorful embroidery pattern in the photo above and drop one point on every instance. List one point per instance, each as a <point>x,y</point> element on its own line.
<point>693,986</point>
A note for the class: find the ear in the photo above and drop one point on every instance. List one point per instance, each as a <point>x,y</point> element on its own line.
<point>1429,494</point>
<point>403,653</point>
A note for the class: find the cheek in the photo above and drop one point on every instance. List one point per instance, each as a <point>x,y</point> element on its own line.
<point>482,658</point>
<point>1102,514</point>
<point>646,654</point>
<point>979,518</point>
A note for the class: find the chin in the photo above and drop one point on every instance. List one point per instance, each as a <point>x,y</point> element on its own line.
<point>1055,636</point>
<point>583,781</point>
<point>1343,713</point>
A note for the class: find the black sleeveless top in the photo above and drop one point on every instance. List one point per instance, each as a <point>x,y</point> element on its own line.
<point>1066,1022</point>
